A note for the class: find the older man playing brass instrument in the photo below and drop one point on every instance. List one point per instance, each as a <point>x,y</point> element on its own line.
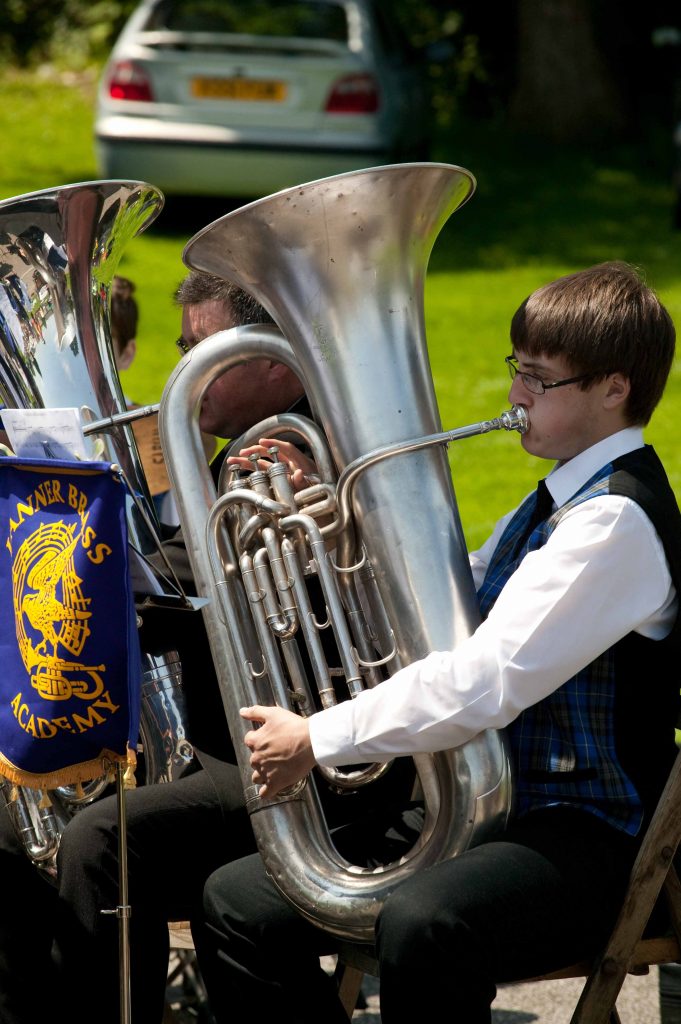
<point>177,832</point>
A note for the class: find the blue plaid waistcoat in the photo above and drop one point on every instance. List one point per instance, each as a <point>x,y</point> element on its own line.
<point>603,742</point>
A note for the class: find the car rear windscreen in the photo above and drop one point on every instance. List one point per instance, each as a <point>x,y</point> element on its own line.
<point>306,20</point>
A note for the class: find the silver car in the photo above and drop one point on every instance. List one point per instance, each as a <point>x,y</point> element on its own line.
<point>211,97</point>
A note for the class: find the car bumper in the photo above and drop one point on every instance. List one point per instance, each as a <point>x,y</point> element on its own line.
<point>214,161</point>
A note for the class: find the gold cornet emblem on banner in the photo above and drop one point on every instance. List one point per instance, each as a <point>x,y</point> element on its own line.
<point>49,603</point>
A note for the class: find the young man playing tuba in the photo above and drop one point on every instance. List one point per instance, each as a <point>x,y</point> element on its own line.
<point>578,591</point>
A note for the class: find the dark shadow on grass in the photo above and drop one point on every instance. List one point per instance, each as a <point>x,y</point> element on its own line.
<point>541,203</point>
<point>183,216</point>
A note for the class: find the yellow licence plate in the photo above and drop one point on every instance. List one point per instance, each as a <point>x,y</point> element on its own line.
<point>249,89</point>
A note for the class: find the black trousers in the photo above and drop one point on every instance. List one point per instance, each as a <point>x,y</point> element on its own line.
<point>27,905</point>
<point>177,833</point>
<point>544,894</point>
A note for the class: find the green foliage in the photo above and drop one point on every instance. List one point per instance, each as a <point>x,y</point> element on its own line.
<point>85,33</point>
<point>73,33</point>
<point>26,28</point>
<point>451,55</point>
<point>539,211</point>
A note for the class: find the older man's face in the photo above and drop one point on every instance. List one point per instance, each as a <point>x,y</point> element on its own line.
<point>233,403</point>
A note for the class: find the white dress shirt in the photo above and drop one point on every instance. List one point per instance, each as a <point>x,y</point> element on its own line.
<point>601,575</point>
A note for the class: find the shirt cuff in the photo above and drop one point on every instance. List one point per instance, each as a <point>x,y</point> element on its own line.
<point>331,735</point>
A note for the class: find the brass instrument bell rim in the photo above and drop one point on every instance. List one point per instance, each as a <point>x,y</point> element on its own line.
<point>344,177</point>
<point>58,190</point>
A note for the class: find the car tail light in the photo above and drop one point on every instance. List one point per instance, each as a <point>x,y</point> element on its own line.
<point>353,94</point>
<point>128,81</point>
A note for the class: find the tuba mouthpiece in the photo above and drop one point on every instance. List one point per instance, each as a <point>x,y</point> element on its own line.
<point>515,418</point>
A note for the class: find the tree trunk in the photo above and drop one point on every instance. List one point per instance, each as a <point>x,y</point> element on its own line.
<point>564,88</point>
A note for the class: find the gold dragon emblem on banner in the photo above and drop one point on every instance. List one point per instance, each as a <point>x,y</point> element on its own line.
<point>48,597</point>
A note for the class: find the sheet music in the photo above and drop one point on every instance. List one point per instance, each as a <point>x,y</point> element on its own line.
<point>46,434</point>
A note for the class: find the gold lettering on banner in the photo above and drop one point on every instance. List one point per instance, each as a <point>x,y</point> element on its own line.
<point>48,728</point>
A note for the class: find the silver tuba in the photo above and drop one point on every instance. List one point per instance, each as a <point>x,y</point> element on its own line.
<point>340,265</point>
<point>59,250</point>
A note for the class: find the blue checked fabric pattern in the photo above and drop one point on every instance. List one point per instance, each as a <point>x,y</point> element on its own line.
<point>563,747</point>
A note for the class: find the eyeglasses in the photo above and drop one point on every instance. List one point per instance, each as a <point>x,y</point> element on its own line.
<point>535,384</point>
<point>182,346</point>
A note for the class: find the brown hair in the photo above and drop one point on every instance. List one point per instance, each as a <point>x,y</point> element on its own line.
<point>124,313</point>
<point>602,320</point>
<point>201,287</point>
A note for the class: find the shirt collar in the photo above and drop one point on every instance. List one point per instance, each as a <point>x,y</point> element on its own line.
<point>565,479</point>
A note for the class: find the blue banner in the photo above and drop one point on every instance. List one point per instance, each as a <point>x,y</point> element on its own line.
<point>70,663</point>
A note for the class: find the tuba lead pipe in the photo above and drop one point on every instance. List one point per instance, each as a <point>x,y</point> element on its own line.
<point>515,418</point>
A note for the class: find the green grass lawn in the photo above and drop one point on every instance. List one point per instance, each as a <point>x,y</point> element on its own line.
<point>538,212</point>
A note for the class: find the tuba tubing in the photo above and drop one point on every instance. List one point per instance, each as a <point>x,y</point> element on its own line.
<point>290,829</point>
<point>340,265</point>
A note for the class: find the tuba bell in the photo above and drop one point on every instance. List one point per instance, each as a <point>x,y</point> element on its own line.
<point>59,250</point>
<point>340,265</point>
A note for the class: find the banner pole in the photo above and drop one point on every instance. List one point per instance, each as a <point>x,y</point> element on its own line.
<point>123,910</point>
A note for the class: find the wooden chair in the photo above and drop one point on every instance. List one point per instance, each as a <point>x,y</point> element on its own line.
<point>185,993</point>
<point>630,949</point>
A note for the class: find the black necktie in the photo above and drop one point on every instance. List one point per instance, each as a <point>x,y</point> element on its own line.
<point>542,510</point>
<point>543,507</point>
